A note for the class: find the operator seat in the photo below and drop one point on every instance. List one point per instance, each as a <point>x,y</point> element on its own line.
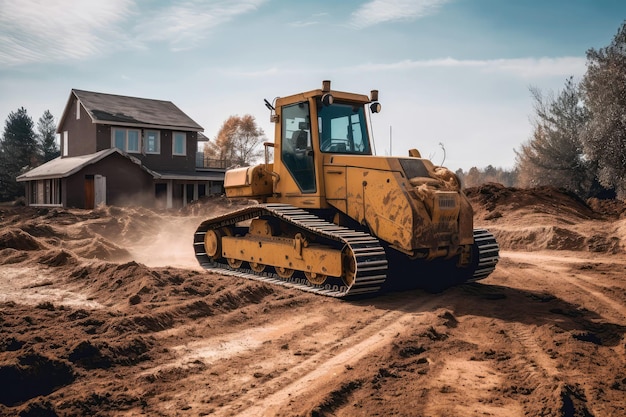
<point>300,139</point>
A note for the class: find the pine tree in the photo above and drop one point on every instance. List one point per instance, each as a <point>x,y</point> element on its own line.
<point>19,151</point>
<point>46,128</point>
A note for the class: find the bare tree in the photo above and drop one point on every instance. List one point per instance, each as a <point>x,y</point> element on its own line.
<point>237,141</point>
<point>604,86</point>
<point>554,155</point>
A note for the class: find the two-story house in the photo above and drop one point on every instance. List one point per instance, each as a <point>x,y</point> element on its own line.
<point>123,150</point>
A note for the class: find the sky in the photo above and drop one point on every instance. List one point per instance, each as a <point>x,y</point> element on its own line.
<point>452,75</point>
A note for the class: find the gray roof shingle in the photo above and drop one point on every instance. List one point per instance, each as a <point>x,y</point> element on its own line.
<point>133,111</point>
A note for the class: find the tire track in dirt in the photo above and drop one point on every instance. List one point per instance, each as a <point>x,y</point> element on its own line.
<point>545,375</point>
<point>225,346</point>
<point>534,361</point>
<point>533,357</point>
<point>311,374</point>
<point>584,284</point>
<point>559,267</point>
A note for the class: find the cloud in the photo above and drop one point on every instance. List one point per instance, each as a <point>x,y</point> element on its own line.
<point>520,67</point>
<point>525,68</point>
<point>184,24</point>
<point>313,20</point>
<point>36,31</point>
<point>39,31</point>
<point>381,11</point>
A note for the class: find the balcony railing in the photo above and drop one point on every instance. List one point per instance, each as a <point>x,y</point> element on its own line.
<point>203,162</point>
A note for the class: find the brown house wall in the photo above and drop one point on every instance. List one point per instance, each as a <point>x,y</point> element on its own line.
<point>80,132</point>
<point>164,161</point>
<point>126,183</point>
<point>103,137</point>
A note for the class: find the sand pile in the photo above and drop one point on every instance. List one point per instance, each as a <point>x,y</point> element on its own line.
<point>548,218</point>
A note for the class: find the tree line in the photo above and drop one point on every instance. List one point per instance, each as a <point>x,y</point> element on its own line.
<point>21,149</point>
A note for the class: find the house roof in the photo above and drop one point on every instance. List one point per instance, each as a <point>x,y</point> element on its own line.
<point>119,110</point>
<point>65,167</point>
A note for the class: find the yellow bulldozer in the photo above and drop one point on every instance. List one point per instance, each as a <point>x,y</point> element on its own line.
<point>336,220</point>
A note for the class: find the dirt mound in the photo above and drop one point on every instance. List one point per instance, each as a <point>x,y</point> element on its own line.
<point>548,218</point>
<point>29,375</point>
<point>495,200</point>
<point>12,256</point>
<point>18,239</point>
<point>615,208</point>
<point>57,258</point>
<point>545,237</point>
<point>100,248</point>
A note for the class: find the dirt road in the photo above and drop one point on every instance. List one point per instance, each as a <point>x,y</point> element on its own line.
<point>105,335</point>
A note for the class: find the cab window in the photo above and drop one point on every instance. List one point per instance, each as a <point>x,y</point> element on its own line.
<point>343,129</point>
<point>296,149</point>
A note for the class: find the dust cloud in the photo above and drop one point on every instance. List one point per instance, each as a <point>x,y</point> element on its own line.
<point>167,241</point>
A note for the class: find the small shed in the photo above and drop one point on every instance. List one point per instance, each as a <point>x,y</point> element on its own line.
<point>105,177</point>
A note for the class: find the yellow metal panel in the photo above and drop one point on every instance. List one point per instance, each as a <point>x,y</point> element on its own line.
<point>283,252</point>
<point>384,205</point>
<point>252,181</point>
<point>335,181</point>
<point>299,200</point>
<point>363,161</point>
<point>237,177</point>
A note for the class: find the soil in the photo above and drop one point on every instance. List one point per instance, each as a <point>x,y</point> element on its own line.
<point>106,313</point>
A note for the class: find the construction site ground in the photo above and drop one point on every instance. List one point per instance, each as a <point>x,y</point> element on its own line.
<point>106,313</point>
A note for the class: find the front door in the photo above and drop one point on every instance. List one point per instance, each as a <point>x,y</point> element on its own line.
<point>89,192</point>
<point>100,190</point>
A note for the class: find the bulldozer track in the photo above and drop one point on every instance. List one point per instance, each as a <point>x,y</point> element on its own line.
<point>368,253</point>
<point>488,254</point>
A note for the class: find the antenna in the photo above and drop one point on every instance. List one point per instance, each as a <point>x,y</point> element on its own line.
<point>272,109</point>
<point>444,153</point>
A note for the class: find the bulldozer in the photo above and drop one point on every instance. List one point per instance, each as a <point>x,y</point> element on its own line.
<point>332,218</point>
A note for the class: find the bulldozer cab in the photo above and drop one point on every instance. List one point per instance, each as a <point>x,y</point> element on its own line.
<point>311,127</point>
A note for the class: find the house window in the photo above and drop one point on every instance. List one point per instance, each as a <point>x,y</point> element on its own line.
<point>46,192</point>
<point>77,110</point>
<point>132,144</point>
<point>126,140</point>
<point>152,142</point>
<point>179,144</point>
<point>65,143</point>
